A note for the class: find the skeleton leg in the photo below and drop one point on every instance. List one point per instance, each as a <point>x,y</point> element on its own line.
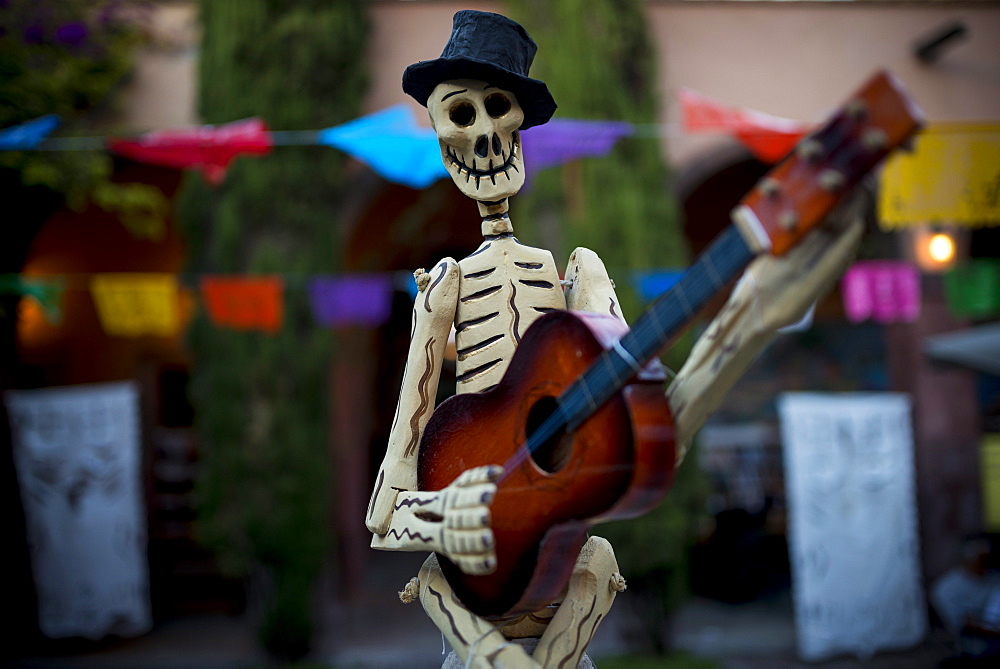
<point>477,642</point>
<point>592,590</point>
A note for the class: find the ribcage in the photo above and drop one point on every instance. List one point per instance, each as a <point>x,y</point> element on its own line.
<point>505,286</point>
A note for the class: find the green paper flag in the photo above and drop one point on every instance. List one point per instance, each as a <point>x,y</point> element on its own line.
<point>47,292</point>
<point>973,289</point>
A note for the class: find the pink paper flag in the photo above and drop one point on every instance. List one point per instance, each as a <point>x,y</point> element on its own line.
<point>884,291</point>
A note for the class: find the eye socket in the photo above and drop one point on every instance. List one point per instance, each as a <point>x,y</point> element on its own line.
<point>497,104</point>
<point>462,114</point>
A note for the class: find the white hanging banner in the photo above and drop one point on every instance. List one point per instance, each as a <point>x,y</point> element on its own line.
<point>78,461</point>
<point>853,539</point>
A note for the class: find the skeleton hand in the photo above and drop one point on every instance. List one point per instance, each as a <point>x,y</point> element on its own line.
<point>463,509</point>
<point>454,521</point>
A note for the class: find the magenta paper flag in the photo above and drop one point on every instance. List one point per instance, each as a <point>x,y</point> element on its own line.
<point>884,291</point>
<point>562,140</point>
<point>360,299</point>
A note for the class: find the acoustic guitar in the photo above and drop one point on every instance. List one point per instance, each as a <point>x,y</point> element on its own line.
<point>580,421</point>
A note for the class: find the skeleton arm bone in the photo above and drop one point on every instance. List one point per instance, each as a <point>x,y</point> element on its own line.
<point>774,292</point>
<point>588,287</point>
<point>454,521</point>
<point>433,313</point>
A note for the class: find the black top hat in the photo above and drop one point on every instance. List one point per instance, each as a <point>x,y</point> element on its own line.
<point>492,48</point>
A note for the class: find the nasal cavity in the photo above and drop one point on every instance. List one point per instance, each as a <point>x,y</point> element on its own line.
<point>497,145</point>
<point>482,146</point>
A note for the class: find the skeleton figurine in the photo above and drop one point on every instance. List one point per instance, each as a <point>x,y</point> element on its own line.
<point>479,97</point>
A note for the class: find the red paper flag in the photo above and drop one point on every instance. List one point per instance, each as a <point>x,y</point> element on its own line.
<point>768,137</point>
<point>244,303</point>
<point>208,148</point>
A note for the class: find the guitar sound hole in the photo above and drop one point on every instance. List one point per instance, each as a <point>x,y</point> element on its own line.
<point>553,454</point>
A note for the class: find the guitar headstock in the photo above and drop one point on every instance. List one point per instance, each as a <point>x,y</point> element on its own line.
<point>800,191</point>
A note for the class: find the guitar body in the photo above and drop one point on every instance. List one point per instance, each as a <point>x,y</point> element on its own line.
<point>618,464</point>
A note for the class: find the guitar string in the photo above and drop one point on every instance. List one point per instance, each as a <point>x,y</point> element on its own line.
<point>730,252</point>
<point>725,257</point>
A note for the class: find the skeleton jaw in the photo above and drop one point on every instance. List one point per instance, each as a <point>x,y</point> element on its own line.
<point>491,181</point>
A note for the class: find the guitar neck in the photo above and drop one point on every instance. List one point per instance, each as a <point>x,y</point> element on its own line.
<point>665,319</point>
<point>793,199</point>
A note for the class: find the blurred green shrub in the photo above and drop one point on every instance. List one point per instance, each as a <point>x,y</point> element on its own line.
<point>261,399</point>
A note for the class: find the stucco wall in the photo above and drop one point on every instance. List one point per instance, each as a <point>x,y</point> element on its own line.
<point>799,60</point>
<point>161,91</point>
<point>793,59</point>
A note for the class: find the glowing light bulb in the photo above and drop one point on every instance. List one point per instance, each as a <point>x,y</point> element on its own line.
<point>941,248</point>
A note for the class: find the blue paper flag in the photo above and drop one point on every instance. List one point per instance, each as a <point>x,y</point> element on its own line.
<point>27,135</point>
<point>652,284</point>
<point>392,144</point>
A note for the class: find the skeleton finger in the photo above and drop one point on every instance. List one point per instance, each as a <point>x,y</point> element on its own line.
<point>467,519</point>
<point>486,474</point>
<point>469,542</point>
<point>476,565</point>
<point>479,495</point>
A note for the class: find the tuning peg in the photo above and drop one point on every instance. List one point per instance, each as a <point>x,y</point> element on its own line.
<point>831,180</point>
<point>788,220</point>
<point>856,109</point>
<point>769,187</point>
<point>809,150</point>
<point>875,139</point>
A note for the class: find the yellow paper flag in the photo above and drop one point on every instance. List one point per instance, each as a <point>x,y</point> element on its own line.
<point>989,466</point>
<point>133,305</point>
<point>952,177</point>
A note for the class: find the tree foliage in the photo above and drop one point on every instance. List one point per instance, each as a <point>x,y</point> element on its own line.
<point>597,59</point>
<point>62,57</point>
<point>261,399</point>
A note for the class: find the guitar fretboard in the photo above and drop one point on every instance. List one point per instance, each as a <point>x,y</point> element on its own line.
<point>665,319</point>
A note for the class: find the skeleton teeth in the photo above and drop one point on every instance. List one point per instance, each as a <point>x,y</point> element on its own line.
<point>477,183</point>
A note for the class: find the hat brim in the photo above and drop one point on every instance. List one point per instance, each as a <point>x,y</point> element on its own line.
<point>533,95</point>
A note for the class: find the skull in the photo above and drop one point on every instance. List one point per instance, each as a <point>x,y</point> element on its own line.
<point>477,128</point>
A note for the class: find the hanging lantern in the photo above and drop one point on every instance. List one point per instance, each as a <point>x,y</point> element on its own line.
<point>938,249</point>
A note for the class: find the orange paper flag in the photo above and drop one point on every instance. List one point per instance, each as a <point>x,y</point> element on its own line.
<point>244,303</point>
